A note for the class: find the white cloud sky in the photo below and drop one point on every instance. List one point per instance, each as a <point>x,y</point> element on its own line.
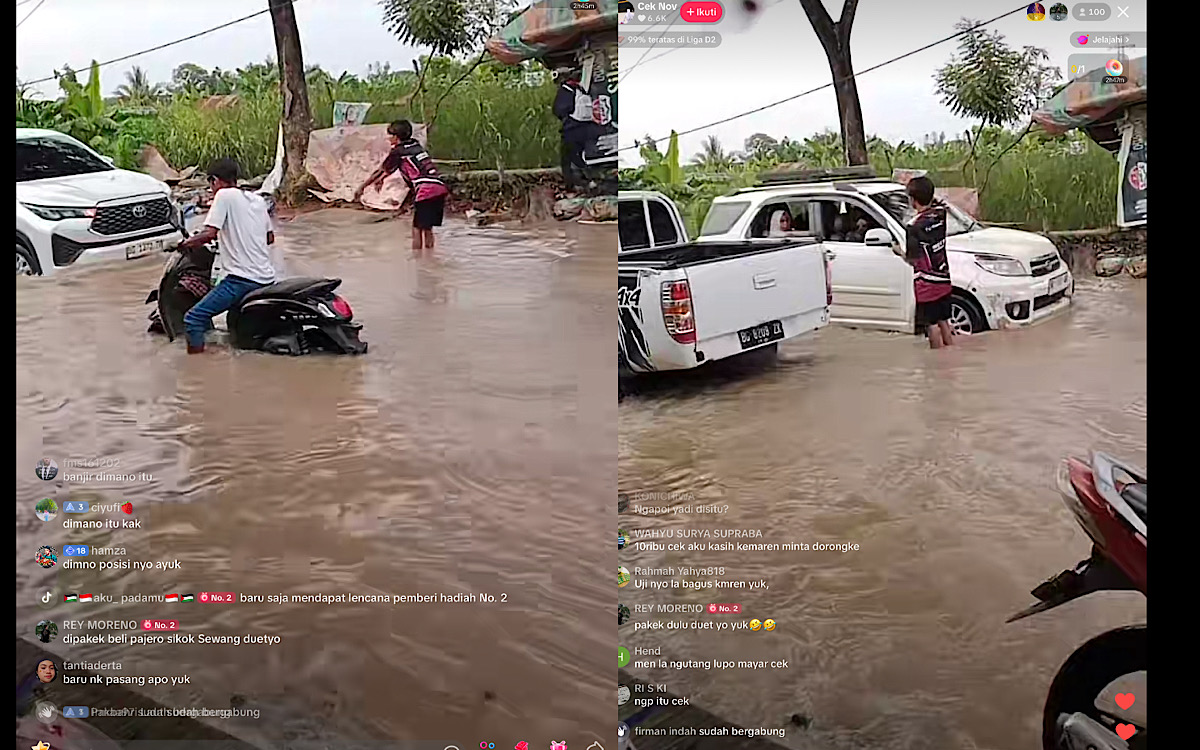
<point>777,57</point>
<point>780,56</point>
<point>337,34</point>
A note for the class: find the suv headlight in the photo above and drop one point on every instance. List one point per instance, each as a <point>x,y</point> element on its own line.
<point>58,213</point>
<point>1001,265</point>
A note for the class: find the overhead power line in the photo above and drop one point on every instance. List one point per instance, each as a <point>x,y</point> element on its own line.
<point>30,13</point>
<point>835,81</point>
<point>188,38</point>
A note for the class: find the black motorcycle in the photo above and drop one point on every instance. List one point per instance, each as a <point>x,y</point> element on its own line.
<point>294,316</point>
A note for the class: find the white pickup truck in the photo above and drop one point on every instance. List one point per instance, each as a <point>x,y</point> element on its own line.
<point>682,304</point>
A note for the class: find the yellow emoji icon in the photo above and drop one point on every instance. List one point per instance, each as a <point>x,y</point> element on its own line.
<point>755,625</point>
<point>768,624</point>
<point>41,746</point>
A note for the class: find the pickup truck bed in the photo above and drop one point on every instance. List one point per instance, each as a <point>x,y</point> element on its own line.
<point>692,254</point>
<point>681,306</point>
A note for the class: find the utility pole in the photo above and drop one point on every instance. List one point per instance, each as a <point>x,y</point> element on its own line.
<point>297,117</point>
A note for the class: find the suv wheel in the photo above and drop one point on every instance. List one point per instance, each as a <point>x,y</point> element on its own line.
<point>26,264</point>
<point>965,316</point>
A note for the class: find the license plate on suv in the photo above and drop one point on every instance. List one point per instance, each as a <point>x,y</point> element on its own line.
<point>763,333</point>
<point>1057,284</point>
<point>142,249</point>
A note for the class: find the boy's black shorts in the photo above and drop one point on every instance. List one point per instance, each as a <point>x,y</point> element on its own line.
<point>428,214</point>
<point>932,313</point>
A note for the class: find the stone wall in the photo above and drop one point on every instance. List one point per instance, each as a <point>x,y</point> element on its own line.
<point>1104,252</point>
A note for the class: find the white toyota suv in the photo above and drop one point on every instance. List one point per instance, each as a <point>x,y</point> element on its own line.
<point>1002,277</point>
<point>74,206</point>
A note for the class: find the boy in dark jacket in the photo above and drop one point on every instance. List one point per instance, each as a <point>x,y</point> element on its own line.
<point>425,187</point>
<point>926,253</point>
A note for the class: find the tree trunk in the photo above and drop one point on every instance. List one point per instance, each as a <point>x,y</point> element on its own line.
<point>297,117</point>
<point>835,38</point>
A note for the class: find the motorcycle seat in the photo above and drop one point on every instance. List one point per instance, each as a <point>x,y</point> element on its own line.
<point>301,286</point>
<point>1135,495</point>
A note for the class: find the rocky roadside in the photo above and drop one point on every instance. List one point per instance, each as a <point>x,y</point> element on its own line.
<point>1104,252</point>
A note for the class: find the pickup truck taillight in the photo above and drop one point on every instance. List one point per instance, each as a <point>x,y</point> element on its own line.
<point>677,311</point>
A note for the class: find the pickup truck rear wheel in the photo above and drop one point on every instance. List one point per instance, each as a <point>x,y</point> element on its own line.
<point>965,315</point>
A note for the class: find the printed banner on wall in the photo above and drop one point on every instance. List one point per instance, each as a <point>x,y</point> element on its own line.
<point>1131,196</point>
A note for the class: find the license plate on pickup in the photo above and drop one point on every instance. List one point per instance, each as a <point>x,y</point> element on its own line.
<point>1057,284</point>
<point>763,333</point>
<point>142,249</point>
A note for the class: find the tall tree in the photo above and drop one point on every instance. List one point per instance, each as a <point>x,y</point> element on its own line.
<point>297,116</point>
<point>138,89</point>
<point>712,154</point>
<point>447,27</point>
<point>988,80</point>
<point>835,38</point>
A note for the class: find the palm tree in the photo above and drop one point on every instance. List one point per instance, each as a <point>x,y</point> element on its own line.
<point>137,88</point>
<point>712,154</point>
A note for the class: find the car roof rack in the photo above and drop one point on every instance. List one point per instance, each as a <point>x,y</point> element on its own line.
<point>791,174</point>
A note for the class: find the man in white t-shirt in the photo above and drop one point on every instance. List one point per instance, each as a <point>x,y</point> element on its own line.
<point>236,220</point>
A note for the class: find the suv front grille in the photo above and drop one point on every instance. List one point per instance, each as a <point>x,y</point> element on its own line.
<point>132,217</point>
<point>1045,264</point>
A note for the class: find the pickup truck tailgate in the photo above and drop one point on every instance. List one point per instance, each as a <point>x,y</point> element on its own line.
<point>786,285</point>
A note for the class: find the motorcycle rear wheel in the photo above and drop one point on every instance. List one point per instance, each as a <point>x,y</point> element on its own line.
<point>1087,673</point>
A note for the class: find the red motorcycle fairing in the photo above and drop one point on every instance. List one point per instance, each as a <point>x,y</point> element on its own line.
<point>1107,527</point>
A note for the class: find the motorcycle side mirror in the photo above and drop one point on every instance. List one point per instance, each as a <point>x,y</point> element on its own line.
<point>176,220</point>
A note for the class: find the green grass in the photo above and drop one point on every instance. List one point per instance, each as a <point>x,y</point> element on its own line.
<point>1042,183</point>
<point>486,118</point>
<point>496,116</point>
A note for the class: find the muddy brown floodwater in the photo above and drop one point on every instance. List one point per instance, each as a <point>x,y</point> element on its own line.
<point>941,466</point>
<point>470,451</point>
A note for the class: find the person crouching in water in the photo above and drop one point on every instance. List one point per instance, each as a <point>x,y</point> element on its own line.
<point>926,253</point>
<point>236,220</point>
<point>425,187</point>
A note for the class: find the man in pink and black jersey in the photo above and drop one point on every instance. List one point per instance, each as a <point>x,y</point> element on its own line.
<point>426,189</point>
<point>926,253</point>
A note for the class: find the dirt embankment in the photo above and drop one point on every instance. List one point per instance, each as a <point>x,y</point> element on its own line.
<point>1104,252</point>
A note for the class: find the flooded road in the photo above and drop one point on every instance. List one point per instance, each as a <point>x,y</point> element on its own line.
<point>467,452</point>
<point>940,466</point>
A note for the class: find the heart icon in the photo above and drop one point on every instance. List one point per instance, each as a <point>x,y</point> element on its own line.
<point>1124,700</point>
<point>1125,731</point>
<point>127,508</point>
<point>641,18</point>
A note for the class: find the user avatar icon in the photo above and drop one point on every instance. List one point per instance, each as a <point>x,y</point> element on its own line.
<point>46,671</point>
<point>622,695</point>
<point>623,577</point>
<point>46,509</point>
<point>46,557</point>
<point>46,631</point>
<point>1035,12</point>
<point>622,614</point>
<point>1058,12</point>
<point>622,539</point>
<point>46,469</point>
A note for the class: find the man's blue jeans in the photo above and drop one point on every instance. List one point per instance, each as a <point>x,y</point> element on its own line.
<point>219,299</point>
